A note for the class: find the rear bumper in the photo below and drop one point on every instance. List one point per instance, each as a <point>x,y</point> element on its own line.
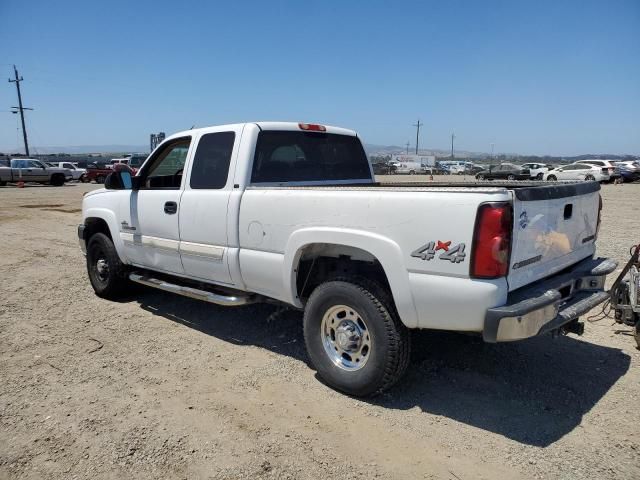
<point>550,303</point>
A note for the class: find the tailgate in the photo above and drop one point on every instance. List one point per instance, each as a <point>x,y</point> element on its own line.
<point>554,226</point>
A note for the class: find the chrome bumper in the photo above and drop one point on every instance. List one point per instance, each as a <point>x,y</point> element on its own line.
<point>550,303</point>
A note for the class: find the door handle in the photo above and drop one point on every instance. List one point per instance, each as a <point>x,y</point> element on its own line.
<point>170,208</point>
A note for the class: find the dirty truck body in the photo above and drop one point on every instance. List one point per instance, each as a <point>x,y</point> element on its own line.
<point>291,213</point>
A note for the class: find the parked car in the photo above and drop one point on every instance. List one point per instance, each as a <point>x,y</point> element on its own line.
<point>76,172</point>
<point>578,171</point>
<point>537,170</point>
<point>383,168</point>
<point>32,170</point>
<point>290,213</point>
<point>504,171</point>
<point>629,170</point>
<point>408,168</point>
<point>97,173</point>
<point>608,164</point>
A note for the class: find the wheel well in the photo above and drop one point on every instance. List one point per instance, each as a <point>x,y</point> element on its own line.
<point>323,261</point>
<point>95,225</point>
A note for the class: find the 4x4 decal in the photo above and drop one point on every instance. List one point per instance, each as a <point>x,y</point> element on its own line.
<point>429,250</point>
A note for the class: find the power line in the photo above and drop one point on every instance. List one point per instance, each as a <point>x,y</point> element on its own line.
<point>20,108</point>
<point>417,125</point>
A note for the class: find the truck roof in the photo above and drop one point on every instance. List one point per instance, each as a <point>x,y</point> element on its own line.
<point>295,126</point>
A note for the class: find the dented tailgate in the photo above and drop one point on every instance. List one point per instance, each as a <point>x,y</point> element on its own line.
<point>554,226</point>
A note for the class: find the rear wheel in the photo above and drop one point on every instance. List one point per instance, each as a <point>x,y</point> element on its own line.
<point>480,177</point>
<point>354,337</point>
<point>83,178</point>
<point>552,178</point>
<point>57,180</point>
<point>589,178</point>
<point>2,183</point>
<point>107,274</point>
<point>511,177</point>
<point>539,176</point>
<point>412,172</point>
<point>100,179</point>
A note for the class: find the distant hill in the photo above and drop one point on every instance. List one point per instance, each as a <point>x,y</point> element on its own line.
<point>371,150</point>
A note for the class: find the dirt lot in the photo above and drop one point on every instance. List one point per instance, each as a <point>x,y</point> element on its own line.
<point>159,386</point>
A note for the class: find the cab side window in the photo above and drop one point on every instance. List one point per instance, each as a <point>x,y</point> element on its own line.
<point>211,162</point>
<point>165,171</point>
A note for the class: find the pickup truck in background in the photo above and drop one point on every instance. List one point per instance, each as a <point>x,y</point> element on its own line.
<point>35,171</point>
<point>77,173</point>
<point>290,213</point>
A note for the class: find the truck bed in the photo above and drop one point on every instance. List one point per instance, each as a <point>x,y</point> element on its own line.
<point>524,190</point>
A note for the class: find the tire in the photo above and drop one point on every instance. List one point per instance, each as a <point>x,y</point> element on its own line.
<point>479,177</point>
<point>362,309</point>
<point>589,178</point>
<point>83,178</point>
<point>539,176</point>
<point>3,183</point>
<point>552,178</point>
<point>511,177</point>
<point>57,180</point>
<point>412,172</point>
<point>100,179</point>
<point>107,274</point>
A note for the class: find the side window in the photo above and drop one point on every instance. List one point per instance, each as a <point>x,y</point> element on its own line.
<point>211,162</point>
<point>34,164</point>
<point>166,169</point>
<point>67,165</point>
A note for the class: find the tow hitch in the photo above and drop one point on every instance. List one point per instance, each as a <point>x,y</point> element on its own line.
<point>625,294</point>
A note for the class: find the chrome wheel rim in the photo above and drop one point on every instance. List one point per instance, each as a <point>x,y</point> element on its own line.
<point>346,337</point>
<point>102,270</point>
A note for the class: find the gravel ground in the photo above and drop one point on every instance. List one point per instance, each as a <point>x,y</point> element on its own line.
<point>160,386</point>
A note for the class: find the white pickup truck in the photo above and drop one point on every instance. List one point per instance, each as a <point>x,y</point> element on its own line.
<point>291,213</point>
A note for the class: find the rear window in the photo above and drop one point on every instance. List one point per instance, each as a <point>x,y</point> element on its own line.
<point>289,156</point>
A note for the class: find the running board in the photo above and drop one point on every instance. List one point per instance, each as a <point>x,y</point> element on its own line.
<point>205,295</point>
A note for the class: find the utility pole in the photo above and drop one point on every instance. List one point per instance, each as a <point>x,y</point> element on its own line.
<point>417,125</point>
<point>452,137</point>
<point>407,144</point>
<point>20,108</point>
<point>492,145</point>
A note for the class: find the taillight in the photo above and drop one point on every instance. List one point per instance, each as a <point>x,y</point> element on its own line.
<point>312,127</point>
<point>599,214</point>
<point>492,241</point>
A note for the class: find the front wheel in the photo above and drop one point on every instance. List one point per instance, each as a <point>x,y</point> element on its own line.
<point>511,177</point>
<point>107,274</point>
<point>539,176</point>
<point>479,177</point>
<point>354,337</point>
<point>552,178</point>
<point>590,178</point>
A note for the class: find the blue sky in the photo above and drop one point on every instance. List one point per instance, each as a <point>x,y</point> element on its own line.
<point>539,77</point>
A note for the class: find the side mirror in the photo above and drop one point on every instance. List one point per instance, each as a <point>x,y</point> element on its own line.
<point>120,180</point>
